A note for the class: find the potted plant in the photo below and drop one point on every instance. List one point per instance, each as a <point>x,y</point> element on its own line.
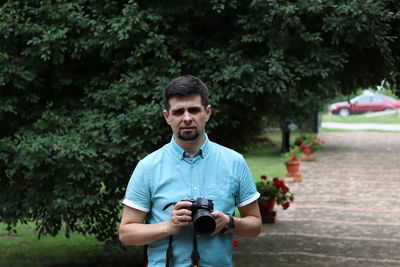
<point>292,163</point>
<point>309,144</point>
<point>272,191</point>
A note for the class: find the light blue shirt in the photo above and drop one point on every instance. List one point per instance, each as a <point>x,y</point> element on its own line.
<point>168,175</point>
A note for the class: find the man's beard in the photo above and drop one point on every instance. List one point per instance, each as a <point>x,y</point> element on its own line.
<point>188,136</point>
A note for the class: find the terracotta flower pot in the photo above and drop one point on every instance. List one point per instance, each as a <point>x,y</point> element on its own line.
<point>308,154</point>
<point>270,205</point>
<point>293,171</point>
<point>307,150</point>
<point>293,166</point>
<point>268,214</point>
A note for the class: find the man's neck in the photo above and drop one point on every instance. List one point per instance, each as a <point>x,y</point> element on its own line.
<point>191,146</point>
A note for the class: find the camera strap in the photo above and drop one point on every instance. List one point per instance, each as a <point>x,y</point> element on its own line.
<point>169,252</point>
<point>195,253</point>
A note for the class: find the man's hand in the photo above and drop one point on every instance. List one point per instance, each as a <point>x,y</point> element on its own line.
<point>221,220</point>
<point>180,216</point>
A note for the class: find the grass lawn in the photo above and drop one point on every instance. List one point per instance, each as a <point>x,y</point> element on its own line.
<point>265,159</point>
<point>360,119</point>
<point>24,249</point>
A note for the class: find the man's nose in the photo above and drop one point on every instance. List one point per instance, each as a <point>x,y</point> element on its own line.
<point>187,117</point>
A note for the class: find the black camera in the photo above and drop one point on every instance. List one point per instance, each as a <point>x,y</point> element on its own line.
<point>201,214</point>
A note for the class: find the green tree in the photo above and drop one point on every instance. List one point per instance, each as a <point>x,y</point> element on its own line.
<point>81,83</point>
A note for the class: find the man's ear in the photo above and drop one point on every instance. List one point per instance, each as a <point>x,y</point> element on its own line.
<point>166,116</point>
<point>209,112</point>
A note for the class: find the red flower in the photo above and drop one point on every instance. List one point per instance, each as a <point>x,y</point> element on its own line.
<point>264,177</point>
<point>322,141</point>
<point>314,143</point>
<point>304,147</point>
<point>280,184</point>
<point>277,189</point>
<point>285,189</point>
<point>235,243</point>
<point>277,182</point>
<point>293,157</point>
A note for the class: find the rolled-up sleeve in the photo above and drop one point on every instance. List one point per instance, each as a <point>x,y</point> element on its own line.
<point>137,194</point>
<point>247,188</point>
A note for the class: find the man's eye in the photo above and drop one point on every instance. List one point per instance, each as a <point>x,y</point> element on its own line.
<point>194,110</point>
<point>178,112</point>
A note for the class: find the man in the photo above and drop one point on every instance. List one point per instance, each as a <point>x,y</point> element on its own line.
<point>189,167</point>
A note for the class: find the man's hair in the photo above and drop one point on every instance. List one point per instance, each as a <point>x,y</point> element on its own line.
<point>185,86</point>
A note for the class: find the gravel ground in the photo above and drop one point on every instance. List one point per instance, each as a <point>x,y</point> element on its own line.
<point>346,211</point>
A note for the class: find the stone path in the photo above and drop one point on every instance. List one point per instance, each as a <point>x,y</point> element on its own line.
<point>346,211</point>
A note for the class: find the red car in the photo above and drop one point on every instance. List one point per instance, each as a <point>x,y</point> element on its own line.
<point>364,103</point>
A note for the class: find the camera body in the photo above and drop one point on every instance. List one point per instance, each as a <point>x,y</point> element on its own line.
<point>201,214</point>
<point>200,203</point>
<point>201,210</point>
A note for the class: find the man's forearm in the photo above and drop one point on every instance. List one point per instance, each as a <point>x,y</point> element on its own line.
<point>247,226</point>
<point>142,234</point>
<point>133,230</point>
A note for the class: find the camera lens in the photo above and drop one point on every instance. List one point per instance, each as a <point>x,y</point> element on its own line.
<point>204,222</point>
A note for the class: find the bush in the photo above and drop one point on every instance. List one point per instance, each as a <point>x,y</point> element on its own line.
<point>81,83</point>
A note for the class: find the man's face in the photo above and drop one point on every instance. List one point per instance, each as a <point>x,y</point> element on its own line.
<point>187,117</point>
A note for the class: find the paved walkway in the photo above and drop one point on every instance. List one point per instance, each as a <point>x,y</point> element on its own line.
<point>346,211</point>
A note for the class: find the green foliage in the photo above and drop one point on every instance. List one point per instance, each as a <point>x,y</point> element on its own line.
<point>293,154</point>
<point>274,188</point>
<point>308,141</point>
<point>81,82</point>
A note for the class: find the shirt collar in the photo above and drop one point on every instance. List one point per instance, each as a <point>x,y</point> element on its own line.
<point>181,153</point>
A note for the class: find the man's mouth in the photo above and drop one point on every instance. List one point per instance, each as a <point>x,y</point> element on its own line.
<point>185,129</point>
